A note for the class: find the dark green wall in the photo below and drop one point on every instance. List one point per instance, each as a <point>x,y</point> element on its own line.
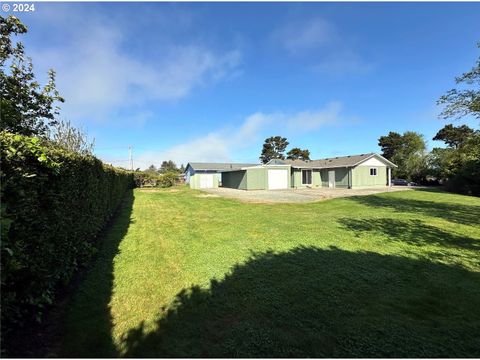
<point>235,179</point>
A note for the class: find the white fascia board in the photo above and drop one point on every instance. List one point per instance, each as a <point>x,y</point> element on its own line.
<point>378,157</point>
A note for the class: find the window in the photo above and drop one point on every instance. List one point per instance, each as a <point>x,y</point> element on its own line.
<point>373,171</point>
<point>306,177</point>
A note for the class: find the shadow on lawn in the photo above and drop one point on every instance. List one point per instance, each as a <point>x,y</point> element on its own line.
<point>310,302</point>
<point>93,314</point>
<point>458,213</point>
<point>413,232</point>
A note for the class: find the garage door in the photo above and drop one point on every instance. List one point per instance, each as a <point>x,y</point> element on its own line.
<point>277,179</point>
<point>206,181</point>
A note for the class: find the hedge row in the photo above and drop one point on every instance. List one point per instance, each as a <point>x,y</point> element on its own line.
<point>53,205</point>
<point>164,180</point>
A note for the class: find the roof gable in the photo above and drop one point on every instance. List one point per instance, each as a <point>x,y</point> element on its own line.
<point>376,158</point>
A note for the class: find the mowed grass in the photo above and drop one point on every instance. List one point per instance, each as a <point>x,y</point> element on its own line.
<point>187,275</point>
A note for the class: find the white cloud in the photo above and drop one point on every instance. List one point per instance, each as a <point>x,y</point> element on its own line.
<point>343,62</point>
<point>98,77</point>
<point>311,120</point>
<point>301,37</point>
<point>227,143</point>
<point>321,43</point>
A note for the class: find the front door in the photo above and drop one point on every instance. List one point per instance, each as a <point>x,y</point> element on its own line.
<point>331,178</point>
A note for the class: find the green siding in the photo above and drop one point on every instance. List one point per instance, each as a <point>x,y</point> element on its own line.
<point>195,179</point>
<point>341,177</point>
<point>235,179</point>
<point>249,179</point>
<point>296,178</point>
<point>253,178</point>
<point>361,176</point>
<point>324,177</point>
<point>256,179</point>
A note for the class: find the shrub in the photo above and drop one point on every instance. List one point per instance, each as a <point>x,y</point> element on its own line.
<point>168,179</point>
<point>467,179</point>
<point>143,178</point>
<point>54,203</point>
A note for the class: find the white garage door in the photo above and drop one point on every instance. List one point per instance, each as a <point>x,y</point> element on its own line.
<point>277,179</point>
<point>206,181</point>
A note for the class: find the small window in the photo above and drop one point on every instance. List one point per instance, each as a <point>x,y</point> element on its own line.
<point>373,171</point>
<point>306,177</point>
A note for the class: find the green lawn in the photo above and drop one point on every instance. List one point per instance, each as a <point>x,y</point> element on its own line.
<point>181,274</point>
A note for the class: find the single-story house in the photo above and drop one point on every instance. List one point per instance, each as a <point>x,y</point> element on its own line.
<point>365,170</point>
<point>208,175</point>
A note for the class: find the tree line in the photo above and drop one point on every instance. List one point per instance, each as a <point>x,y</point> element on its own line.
<point>165,167</point>
<point>457,165</point>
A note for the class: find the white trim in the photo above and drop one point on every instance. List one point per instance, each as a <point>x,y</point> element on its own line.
<point>374,162</point>
<point>321,168</point>
<point>263,166</point>
<point>376,171</point>
<point>378,156</point>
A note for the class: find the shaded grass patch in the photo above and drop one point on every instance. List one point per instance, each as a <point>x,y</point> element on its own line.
<point>205,276</point>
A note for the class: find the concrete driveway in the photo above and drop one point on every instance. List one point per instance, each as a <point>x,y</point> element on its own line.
<point>295,195</point>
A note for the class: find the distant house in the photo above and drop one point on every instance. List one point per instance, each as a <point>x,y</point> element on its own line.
<point>355,171</point>
<point>208,175</point>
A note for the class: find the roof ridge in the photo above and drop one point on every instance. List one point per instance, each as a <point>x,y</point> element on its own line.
<point>345,156</point>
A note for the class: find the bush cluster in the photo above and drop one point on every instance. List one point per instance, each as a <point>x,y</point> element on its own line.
<point>467,180</point>
<point>144,178</point>
<point>53,205</point>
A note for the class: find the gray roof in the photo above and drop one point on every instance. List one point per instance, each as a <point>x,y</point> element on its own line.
<point>339,161</point>
<point>218,166</point>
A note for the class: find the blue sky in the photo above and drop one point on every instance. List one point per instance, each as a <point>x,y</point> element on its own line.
<point>209,82</point>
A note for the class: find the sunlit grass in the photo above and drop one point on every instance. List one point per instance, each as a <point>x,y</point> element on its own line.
<point>171,240</point>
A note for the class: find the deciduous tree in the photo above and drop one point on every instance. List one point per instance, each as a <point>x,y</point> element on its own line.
<point>27,108</point>
<point>408,151</point>
<point>71,138</point>
<point>466,100</point>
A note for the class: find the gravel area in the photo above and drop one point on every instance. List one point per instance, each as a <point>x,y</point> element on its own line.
<point>294,195</point>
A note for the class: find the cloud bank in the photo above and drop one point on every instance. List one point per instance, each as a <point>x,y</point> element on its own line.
<point>225,144</point>
<point>99,77</point>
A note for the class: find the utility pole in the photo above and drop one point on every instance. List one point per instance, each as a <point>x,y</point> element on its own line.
<point>130,157</point>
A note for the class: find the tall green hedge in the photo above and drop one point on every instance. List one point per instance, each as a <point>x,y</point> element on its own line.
<point>53,205</point>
